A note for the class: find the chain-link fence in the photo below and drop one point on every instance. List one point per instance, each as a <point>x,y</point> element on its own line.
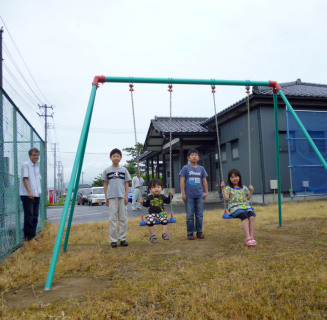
<point>17,137</point>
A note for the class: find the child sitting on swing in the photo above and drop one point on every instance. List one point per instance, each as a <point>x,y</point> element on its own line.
<point>155,202</point>
<point>238,197</point>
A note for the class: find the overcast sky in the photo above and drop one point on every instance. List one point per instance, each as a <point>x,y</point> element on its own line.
<point>66,43</point>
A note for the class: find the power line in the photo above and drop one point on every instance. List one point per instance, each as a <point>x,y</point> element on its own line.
<point>20,72</point>
<point>19,85</point>
<point>99,153</point>
<point>22,99</point>
<point>24,62</point>
<point>68,127</point>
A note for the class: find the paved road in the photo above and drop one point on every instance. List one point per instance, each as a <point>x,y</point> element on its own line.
<point>86,214</point>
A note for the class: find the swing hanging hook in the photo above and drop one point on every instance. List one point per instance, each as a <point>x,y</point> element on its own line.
<point>131,85</point>
<point>247,87</point>
<point>213,87</point>
<point>170,88</point>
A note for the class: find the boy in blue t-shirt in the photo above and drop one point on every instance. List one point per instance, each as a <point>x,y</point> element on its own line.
<point>193,181</point>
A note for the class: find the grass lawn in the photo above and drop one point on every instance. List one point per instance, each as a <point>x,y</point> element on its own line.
<point>284,277</point>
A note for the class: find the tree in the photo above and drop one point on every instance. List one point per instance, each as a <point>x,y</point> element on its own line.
<point>132,163</point>
<point>98,182</point>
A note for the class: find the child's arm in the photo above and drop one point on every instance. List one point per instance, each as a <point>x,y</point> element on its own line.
<point>182,183</point>
<point>105,187</point>
<point>205,188</point>
<point>223,190</point>
<point>251,192</point>
<point>126,193</point>
<point>168,199</point>
<point>145,203</point>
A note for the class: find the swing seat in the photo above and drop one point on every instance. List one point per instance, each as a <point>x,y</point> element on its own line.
<point>171,220</point>
<point>142,223</point>
<point>227,216</point>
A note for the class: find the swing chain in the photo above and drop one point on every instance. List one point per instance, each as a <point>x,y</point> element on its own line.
<point>249,137</point>
<point>131,89</point>
<point>170,89</point>
<point>213,90</point>
<point>249,134</point>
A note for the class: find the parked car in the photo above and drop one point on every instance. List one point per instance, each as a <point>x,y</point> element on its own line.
<point>96,196</point>
<point>144,193</point>
<point>130,194</point>
<point>82,195</point>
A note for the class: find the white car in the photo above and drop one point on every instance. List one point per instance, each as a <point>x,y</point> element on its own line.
<point>96,196</point>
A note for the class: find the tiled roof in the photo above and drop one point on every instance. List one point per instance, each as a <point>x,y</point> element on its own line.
<point>297,89</point>
<point>180,125</point>
<point>144,155</point>
<point>290,89</point>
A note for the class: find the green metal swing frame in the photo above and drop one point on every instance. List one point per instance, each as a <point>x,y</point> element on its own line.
<point>78,163</point>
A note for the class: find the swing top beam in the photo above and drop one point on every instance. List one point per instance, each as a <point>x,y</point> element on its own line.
<point>247,83</point>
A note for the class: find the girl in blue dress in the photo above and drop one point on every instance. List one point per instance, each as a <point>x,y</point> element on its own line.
<point>238,197</point>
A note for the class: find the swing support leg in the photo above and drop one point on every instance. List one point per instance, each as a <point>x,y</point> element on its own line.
<point>277,159</point>
<point>75,192</point>
<point>77,164</point>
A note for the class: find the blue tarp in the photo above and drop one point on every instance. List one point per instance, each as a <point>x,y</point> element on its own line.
<point>308,174</point>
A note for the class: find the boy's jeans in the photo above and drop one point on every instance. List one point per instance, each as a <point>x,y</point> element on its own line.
<point>117,211</point>
<point>194,207</point>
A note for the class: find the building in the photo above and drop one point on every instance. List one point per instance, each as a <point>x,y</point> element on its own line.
<point>200,133</point>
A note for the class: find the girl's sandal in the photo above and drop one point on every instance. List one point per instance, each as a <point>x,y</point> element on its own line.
<point>254,243</point>
<point>248,242</point>
<point>165,236</point>
<point>153,239</point>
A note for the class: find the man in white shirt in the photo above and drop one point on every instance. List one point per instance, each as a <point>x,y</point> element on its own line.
<point>30,192</point>
<point>137,184</point>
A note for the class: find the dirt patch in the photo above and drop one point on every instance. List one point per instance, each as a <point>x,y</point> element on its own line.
<point>69,288</point>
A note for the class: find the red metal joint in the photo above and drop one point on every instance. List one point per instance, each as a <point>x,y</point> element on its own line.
<point>98,79</point>
<point>275,86</point>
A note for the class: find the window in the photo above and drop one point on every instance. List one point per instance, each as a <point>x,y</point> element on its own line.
<point>234,145</point>
<point>318,138</point>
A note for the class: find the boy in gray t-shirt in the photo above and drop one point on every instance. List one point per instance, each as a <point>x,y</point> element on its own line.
<point>116,194</point>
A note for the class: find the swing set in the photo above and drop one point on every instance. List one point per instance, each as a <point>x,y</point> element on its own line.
<point>77,167</point>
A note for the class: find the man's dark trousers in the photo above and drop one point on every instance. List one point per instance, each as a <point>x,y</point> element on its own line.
<point>31,214</point>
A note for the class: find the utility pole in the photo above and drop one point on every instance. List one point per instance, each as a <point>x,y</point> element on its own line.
<point>62,178</point>
<point>54,175</point>
<point>46,116</point>
<point>59,175</point>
